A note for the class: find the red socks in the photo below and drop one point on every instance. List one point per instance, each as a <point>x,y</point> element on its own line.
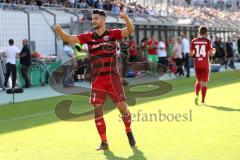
<point>204,91</point>
<point>197,88</point>
<point>127,122</point>
<point>101,127</point>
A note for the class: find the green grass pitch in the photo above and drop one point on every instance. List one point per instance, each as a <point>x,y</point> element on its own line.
<point>31,130</point>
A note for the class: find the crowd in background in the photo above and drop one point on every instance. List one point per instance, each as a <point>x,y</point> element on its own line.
<point>107,5</point>
<point>164,55</point>
<point>218,4</point>
<point>170,55</point>
<point>197,10</point>
<point>206,16</point>
<point>133,6</point>
<point>9,66</point>
<point>173,55</point>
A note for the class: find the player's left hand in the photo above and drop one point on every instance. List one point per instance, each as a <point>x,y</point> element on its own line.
<point>123,16</point>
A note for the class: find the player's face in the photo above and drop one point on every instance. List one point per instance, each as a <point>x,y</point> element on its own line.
<point>24,42</point>
<point>98,21</point>
<point>171,40</point>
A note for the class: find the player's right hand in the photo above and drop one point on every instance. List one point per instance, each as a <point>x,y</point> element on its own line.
<point>57,28</point>
<point>123,16</point>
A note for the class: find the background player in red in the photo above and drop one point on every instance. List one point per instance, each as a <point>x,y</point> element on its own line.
<point>102,44</point>
<point>201,49</point>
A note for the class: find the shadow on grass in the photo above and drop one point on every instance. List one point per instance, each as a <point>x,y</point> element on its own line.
<point>137,155</point>
<point>221,108</point>
<point>14,117</point>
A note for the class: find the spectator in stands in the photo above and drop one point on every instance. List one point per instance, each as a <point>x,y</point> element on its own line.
<point>152,53</point>
<point>229,54</point>
<point>71,3</point>
<point>11,53</point>
<point>98,4</point>
<point>90,2</point>
<point>238,44</point>
<point>216,45</point>
<point>133,50</point>
<point>151,11</point>
<point>170,46</point>
<point>115,8</point>
<point>222,53</point>
<point>80,52</point>
<point>82,4</point>
<point>162,56</point>
<point>107,5</point>
<point>39,2</point>
<point>144,48</point>
<point>186,50</point>
<point>211,39</point>
<point>235,47</point>
<point>68,65</point>
<point>25,61</point>
<point>124,47</point>
<point>177,55</point>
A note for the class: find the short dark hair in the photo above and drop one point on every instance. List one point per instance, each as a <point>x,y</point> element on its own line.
<point>100,12</point>
<point>203,30</point>
<point>11,42</point>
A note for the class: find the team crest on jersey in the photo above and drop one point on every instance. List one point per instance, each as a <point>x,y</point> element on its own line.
<point>106,38</point>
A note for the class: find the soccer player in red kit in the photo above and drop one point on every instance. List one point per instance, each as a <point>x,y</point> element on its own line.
<point>201,49</point>
<point>102,44</point>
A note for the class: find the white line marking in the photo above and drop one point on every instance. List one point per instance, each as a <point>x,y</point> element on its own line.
<point>26,117</point>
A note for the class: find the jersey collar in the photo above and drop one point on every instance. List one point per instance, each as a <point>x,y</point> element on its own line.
<point>96,36</point>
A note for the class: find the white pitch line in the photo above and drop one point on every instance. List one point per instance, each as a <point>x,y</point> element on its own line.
<point>26,117</point>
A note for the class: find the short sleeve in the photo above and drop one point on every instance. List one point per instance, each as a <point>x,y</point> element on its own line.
<point>83,38</point>
<point>162,45</point>
<point>17,50</point>
<point>117,33</point>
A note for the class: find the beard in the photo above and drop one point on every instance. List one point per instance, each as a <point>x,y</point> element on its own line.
<point>95,26</point>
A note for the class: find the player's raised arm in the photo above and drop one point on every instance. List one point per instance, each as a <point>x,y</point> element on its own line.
<point>64,36</point>
<point>129,29</point>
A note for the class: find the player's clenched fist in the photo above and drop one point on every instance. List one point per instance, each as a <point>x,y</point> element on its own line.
<point>57,28</point>
<point>123,16</point>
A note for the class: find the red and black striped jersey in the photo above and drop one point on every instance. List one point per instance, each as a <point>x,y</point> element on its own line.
<point>102,51</point>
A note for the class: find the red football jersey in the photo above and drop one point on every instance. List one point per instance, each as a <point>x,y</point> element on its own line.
<point>151,43</point>
<point>102,51</point>
<point>201,47</point>
<point>132,48</point>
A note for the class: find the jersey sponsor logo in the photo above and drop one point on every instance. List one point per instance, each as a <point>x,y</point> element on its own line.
<point>106,38</point>
<point>104,45</point>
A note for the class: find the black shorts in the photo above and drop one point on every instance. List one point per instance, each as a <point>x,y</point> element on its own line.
<point>163,61</point>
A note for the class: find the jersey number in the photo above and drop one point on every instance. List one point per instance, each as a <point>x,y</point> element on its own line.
<point>200,51</point>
